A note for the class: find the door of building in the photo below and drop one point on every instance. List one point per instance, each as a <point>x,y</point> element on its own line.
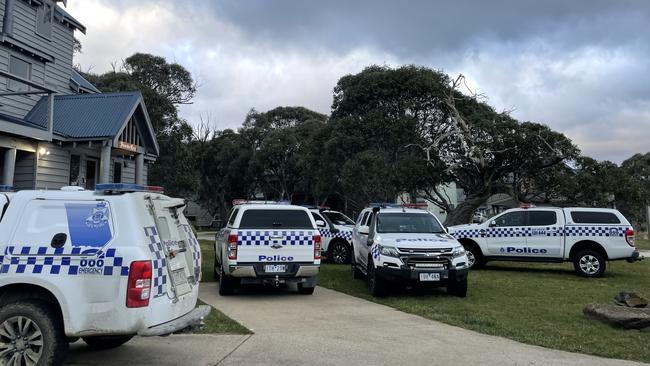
<point>91,173</point>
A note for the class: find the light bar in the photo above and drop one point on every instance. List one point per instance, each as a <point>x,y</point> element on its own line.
<point>6,188</point>
<point>415,205</point>
<point>526,205</point>
<point>119,187</point>
<point>154,189</point>
<point>383,205</point>
<point>236,202</point>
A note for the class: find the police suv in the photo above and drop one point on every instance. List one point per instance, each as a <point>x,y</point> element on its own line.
<point>336,234</point>
<point>588,237</point>
<point>102,265</point>
<point>407,246</point>
<point>267,243</point>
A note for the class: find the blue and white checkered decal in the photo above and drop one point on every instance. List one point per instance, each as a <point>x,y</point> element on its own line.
<point>263,237</point>
<point>530,231</point>
<point>326,233</point>
<point>159,262</point>
<point>51,261</point>
<point>375,252</point>
<point>196,250</point>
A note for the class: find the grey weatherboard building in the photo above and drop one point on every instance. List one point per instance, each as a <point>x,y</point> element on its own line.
<point>56,128</point>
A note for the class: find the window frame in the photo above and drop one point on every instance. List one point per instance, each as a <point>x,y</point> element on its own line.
<point>17,86</point>
<point>40,15</point>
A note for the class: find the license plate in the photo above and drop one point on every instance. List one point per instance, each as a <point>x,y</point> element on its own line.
<point>429,276</point>
<point>178,277</point>
<point>275,268</point>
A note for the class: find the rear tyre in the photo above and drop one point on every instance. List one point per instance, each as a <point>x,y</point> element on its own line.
<point>376,285</point>
<point>475,259</point>
<point>339,252</point>
<point>589,263</point>
<point>356,273</point>
<point>106,342</point>
<point>226,283</point>
<point>304,290</point>
<point>31,334</point>
<point>458,289</point>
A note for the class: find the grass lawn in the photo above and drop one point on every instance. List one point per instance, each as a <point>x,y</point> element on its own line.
<point>643,244</point>
<point>538,304</point>
<point>217,322</point>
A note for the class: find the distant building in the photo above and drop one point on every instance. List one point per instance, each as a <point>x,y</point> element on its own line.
<point>449,191</point>
<point>56,128</point>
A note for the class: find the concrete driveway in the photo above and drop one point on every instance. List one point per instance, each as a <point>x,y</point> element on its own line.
<point>328,328</point>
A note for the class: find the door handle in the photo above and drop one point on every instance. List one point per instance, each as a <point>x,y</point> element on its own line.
<point>59,240</point>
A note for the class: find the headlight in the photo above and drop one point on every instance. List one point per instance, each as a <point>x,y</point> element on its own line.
<point>389,251</point>
<point>459,252</point>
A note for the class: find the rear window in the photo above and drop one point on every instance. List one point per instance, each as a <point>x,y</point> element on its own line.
<point>276,219</point>
<point>541,218</point>
<point>594,217</point>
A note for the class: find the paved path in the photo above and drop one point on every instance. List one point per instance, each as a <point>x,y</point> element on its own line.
<point>330,328</point>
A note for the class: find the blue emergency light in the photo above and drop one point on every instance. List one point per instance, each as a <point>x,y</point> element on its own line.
<point>120,187</point>
<point>384,205</point>
<point>6,188</point>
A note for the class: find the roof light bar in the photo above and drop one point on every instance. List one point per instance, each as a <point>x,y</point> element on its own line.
<point>240,201</point>
<point>383,205</point>
<point>6,188</point>
<point>119,187</point>
<point>526,205</point>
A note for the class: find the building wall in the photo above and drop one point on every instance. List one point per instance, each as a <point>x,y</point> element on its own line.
<point>52,74</point>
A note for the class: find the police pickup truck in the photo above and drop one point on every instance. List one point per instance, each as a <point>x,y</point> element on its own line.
<point>267,243</point>
<point>336,234</point>
<point>406,246</point>
<point>588,237</point>
<point>102,265</point>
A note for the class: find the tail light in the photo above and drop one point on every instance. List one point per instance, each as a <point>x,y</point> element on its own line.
<point>317,246</point>
<point>139,287</point>
<point>232,246</point>
<point>629,237</point>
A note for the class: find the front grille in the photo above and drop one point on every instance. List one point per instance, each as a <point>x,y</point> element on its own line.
<point>424,251</point>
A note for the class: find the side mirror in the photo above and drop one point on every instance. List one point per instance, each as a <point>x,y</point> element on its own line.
<point>320,223</point>
<point>370,242</point>
<point>493,223</point>
<point>364,230</point>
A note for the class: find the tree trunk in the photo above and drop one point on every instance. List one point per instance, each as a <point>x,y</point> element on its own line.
<point>464,211</point>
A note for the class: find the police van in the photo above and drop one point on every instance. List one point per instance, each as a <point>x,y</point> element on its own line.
<point>267,243</point>
<point>588,237</point>
<point>406,245</point>
<point>101,265</point>
<point>336,234</point>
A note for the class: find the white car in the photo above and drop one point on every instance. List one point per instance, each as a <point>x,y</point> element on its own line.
<point>267,243</point>
<point>588,237</point>
<point>406,246</point>
<point>102,265</point>
<point>336,232</point>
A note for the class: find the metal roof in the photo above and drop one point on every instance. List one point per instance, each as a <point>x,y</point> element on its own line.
<point>82,116</point>
<point>82,82</point>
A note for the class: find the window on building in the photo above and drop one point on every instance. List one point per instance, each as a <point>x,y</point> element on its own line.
<point>75,163</point>
<point>117,172</point>
<point>21,68</point>
<point>44,17</point>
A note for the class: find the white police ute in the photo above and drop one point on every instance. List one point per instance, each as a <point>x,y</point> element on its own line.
<point>101,265</point>
<point>336,234</point>
<point>406,246</point>
<point>588,237</point>
<point>267,243</point>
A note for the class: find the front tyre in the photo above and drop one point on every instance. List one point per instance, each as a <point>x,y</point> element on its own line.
<point>376,285</point>
<point>30,334</point>
<point>356,272</point>
<point>475,258</point>
<point>339,253</point>
<point>106,342</point>
<point>589,263</point>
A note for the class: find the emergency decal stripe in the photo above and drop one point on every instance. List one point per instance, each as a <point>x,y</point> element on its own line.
<point>375,252</point>
<point>266,238</point>
<point>326,233</point>
<point>196,250</point>
<point>159,262</point>
<point>505,232</point>
<point>44,260</point>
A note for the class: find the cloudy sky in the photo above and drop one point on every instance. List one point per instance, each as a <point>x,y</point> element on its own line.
<point>582,67</point>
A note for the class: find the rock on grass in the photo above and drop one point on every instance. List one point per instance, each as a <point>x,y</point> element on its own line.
<point>621,316</point>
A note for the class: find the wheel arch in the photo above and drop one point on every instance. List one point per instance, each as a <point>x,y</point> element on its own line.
<point>12,292</point>
<point>471,243</point>
<point>587,244</point>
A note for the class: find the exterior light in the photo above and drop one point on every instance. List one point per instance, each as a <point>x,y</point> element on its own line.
<point>43,151</point>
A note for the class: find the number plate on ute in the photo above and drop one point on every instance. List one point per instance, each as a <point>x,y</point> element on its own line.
<point>429,276</point>
<point>178,277</point>
<point>275,268</point>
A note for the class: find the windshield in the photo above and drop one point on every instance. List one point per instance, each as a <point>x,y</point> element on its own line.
<point>338,218</point>
<point>408,223</point>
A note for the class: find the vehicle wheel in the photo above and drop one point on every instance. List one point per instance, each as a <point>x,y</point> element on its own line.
<point>356,273</point>
<point>339,253</point>
<point>304,290</point>
<point>106,342</point>
<point>376,285</point>
<point>475,258</point>
<point>216,269</point>
<point>589,263</point>
<point>30,336</point>
<point>226,283</point>
<point>458,288</point>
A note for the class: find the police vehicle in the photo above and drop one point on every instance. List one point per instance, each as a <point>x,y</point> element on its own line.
<point>336,234</point>
<point>406,246</point>
<point>267,243</point>
<point>588,237</point>
<point>102,265</point>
